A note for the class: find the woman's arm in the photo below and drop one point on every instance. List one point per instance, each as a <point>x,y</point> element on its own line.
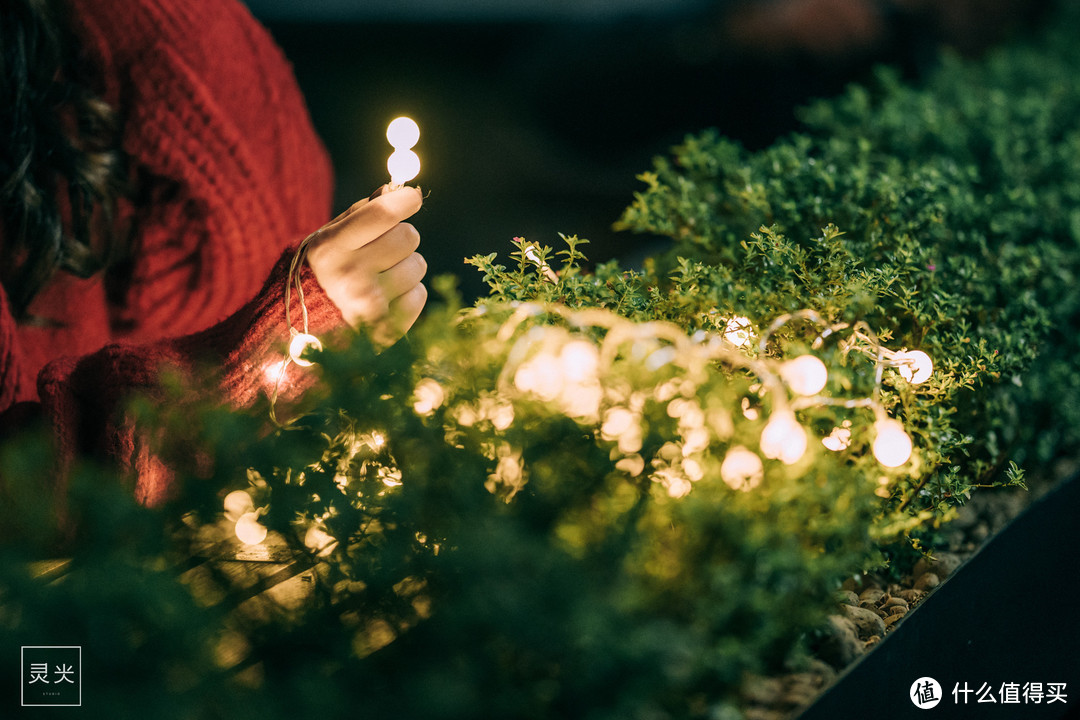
<point>364,271</point>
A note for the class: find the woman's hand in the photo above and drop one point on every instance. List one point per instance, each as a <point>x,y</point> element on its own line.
<point>366,261</point>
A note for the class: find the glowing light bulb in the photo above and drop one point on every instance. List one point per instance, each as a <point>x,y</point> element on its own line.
<point>892,446</point>
<point>738,331</point>
<point>579,360</point>
<point>429,395</point>
<point>915,366</point>
<point>805,375</point>
<point>742,469</point>
<point>403,133</point>
<point>300,343</point>
<point>274,371</point>
<point>403,165</point>
<point>616,422</point>
<point>783,438</point>
<point>840,437</point>
<point>249,530</point>
<point>390,476</point>
<point>319,541</point>
<point>238,503</point>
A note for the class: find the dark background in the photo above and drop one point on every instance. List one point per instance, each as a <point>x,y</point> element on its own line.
<point>536,115</point>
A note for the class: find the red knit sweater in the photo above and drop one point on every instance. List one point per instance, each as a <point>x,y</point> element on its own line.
<point>220,140</point>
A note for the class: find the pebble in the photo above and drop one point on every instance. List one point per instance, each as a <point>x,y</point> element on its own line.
<point>867,622</point>
<point>912,595</point>
<point>839,644</point>
<point>966,516</point>
<point>760,713</point>
<point>804,678</point>
<point>868,606</point>
<point>762,690</point>
<point>824,672</point>
<point>846,597</point>
<point>927,581</point>
<point>943,565</point>
<point>799,694</point>
<point>896,602</point>
<point>871,596</point>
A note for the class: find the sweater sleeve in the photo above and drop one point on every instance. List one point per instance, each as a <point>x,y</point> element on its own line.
<point>14,386</point>
<point>226,163</point>
<point>84,398</point>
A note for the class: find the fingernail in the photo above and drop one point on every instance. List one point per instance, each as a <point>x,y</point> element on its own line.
<point>378,191</point>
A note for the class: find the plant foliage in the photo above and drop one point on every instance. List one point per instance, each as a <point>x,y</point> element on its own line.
<point>561,502</point>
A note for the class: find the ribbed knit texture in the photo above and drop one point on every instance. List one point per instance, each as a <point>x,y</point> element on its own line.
<point>14,387</point>
<point>232,176</point>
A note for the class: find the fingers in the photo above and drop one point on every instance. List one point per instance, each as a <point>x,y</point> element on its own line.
<point>403,277</point>
<point>368,219</point>
<point>369,298</point>
<point>388,250</point>
<point>402,313</point>
<point>366,261</point>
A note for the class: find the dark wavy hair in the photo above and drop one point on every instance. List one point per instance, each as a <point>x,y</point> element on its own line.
<point>58,140</point>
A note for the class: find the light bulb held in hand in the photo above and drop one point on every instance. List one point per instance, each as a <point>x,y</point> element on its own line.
<point>403,133</point>
<point>403,164</point>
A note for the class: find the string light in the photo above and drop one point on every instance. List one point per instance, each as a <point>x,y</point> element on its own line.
<point>783,438</point>
<point>299,345</point>
<point>237,504</point>
<point>738,331</point>
<point>579,360</point>
<point>319,541</point>
<point>892,445</point>
<point>915,366</point>
<point>429,396</point>
<point>403,132</point>
<point>568,369</point>
<point>742,469</point>
<point>403,164</point>
<point>299,340</point>
<point>805,375</point>
<point>249,530</point>
<point>274,371</point>
<point>840,437</point>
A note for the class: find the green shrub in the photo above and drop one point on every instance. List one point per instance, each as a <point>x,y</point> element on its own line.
<point>960,203</point>
<point>530,508</point>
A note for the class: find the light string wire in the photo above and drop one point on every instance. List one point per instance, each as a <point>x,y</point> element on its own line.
<point>620,330</point>
<point>693,354</point>
<point>292,280</point>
